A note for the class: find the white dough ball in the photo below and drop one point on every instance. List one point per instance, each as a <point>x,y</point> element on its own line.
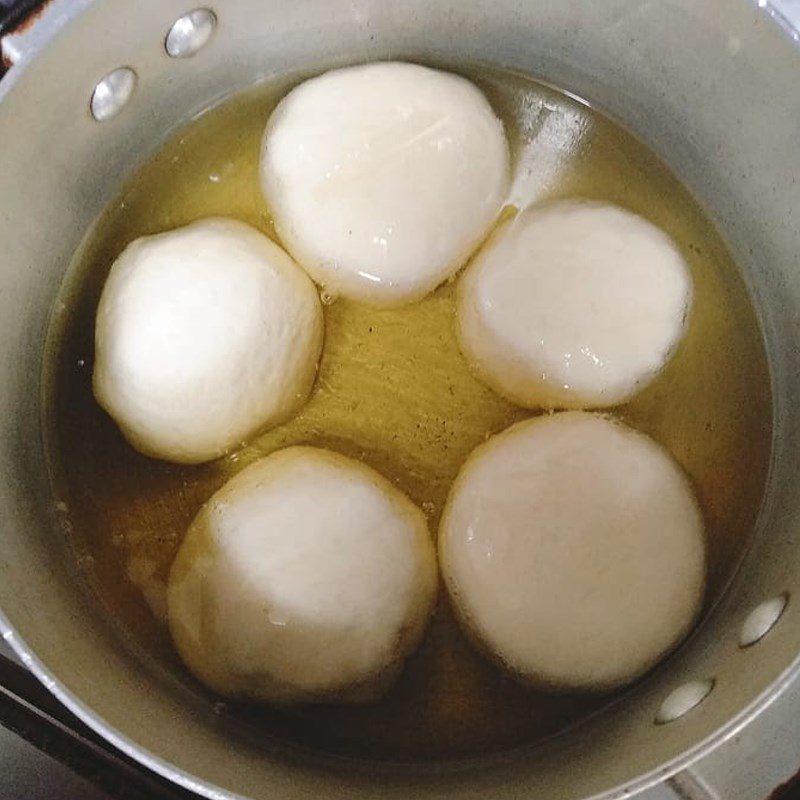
<point>573,550</point>
<point>383,178</point>
<point>204,336</point>
<point>574,304</point>
<point>307,577</point>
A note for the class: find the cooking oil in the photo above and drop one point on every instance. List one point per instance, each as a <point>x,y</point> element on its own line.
<point>394,391</point>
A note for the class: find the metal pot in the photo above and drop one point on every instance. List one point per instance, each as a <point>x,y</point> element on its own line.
<point>711,86</point>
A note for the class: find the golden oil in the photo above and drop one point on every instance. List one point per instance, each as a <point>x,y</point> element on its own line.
<point>394,391</point>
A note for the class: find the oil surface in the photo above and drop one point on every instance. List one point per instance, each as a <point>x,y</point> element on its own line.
<point>394,391</point>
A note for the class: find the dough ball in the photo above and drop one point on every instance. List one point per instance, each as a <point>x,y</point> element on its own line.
<point>307,577</point>
<point>382,179</point>
<point>204,336</point>
<point>574,304</point>
<point>573,550</point>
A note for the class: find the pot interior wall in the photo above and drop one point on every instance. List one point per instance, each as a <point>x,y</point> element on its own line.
<point>707,86</point>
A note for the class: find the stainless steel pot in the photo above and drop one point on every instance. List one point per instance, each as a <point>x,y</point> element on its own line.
<point>711,86</point>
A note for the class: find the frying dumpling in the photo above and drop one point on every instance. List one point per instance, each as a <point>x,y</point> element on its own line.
<point>307,577</point>
<point>204,336</point>
<point>573,304</point>
<point>573,550</point>
<point>383,178</point>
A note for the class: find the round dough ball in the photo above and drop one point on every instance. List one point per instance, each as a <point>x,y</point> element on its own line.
<point>307,577</point>
<point>574,304</point>
<point>573,550</point>
<point>204,336</point>
<point>383,178</point>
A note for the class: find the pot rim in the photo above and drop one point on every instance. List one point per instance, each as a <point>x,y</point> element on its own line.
<point>207,789</point>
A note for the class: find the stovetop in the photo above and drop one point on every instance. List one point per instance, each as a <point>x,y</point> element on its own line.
<point>47,752</point>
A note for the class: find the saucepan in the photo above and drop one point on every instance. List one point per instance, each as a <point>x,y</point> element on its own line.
<point>709,85</point>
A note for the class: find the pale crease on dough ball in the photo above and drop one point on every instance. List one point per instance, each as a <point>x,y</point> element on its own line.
<point>573,550</point>
<point>383,178</point>
<point>308,577</point>
<point>204,336</point>
<point>573,304</point>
